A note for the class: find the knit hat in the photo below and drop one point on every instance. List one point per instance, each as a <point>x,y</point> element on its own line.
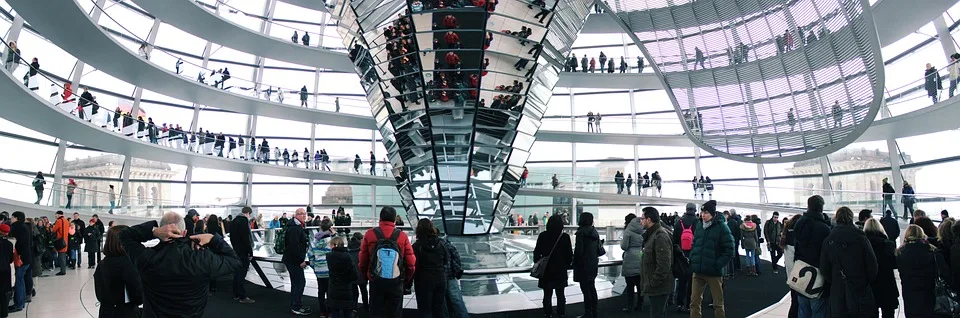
<point>4,229</point>
<point>192,213</point>
<point>775,213</point>
<point>710,207</point>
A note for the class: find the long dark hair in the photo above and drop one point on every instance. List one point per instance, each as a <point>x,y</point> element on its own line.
<point>555,223</point>
<point>425,229</point>
<point>112,245</point>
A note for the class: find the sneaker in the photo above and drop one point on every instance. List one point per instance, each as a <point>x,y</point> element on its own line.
<point>300,312</point>
<point>246,300</point>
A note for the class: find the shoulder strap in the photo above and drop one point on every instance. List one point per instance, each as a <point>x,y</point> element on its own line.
<point>555,244</point>
<point>378,233</point>
<point>396,234</point>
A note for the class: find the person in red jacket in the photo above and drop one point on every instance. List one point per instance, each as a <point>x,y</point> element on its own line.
<point>452,59</point>
<point>61,228</point>
<point>450,22</point>
<point>451,38</point>
<point>386,301</point>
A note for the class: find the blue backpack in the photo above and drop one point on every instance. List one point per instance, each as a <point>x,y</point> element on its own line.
<point>386,262</point>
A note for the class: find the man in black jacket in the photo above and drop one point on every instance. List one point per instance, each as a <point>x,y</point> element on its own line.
<point>810,231</point>
<point>890,225</point>
<point>294,258</point>
<point>80,227</point>
<point>888,193</point>
<point>734,222</point>
<point>242,243</point>
<point>24,247</point>
<point>176,272</point>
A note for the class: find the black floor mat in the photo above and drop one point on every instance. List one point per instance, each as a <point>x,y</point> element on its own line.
<point>743,297</point>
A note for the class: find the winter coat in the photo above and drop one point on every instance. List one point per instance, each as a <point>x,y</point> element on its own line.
<point>240,236</point>
<point>657,278</point>
<point>555,275</point>
<point>688,220</point>
<point>370,241</point>
<point>749,231</point>
<point>115,280</point>
<point>453,268</point>
<point>297,243</point>
<point>915,262</point>
<point>431,258</point>
<point>888,191</point>
<point>734,222</point>
<point>931,82</point>
<point>849,266</point>
<point>712,248</point>
<point>61,231</point>
<point>772,232</point>
<point>809,233</point>
<point>317,254</point>
<point>6,258</point>
<point>586,258</point>
<point>341,293</point>
<point>632,245</point>
<point>92,239</point>
<point>891,227</point>
<point>885,290</point>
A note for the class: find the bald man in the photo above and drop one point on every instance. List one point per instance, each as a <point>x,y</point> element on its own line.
<point>176,272</point>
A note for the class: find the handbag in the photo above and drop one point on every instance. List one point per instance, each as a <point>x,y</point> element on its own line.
<point>946,299</point>
<point>805,279</point>
<point>854,298</point>
<point>59,244</point>
<point>540,267</point>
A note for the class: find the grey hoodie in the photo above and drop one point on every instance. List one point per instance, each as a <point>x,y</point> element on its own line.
<point>632,246</point>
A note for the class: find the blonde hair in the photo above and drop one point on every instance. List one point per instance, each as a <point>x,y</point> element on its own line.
<point>945,231</point>
<point>912,234</point>
<point>337,241</point>
<point>873,226</point>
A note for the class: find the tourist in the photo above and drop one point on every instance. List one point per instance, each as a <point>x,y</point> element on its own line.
<point>176,273</point>
<point>7,278</point>
<point>632,245</point>
<point>294,259</point>
<point>242,241</point>
<point>320,246</point>
<point>430,281</point>
<point>61,231</point>
<point>657,268</point>
<point>92,240</point>
<point>909,199</point>
<point>919,266</point>
<point>116,282</point>
<point>888,193</point>
<point>712,250</point>
<point>885,292</point>
<point>453,268</point>
<point>555,245</point>
<point>342,280</point>
<point>750,244</point>
<point>890,225</point>
<point>586,260</point>
<point>22,231</point>
<point>354,248</point>
<point>772,231</point>
<point>848,265</point>
<point>386,287</point>
<point>810,231</point>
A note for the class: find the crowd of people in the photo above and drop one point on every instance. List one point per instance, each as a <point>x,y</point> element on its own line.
<point>606,64</point>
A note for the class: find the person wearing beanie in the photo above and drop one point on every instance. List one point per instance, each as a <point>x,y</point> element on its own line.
<point>712,250</point>
<point>689,222</point>
<point>657,262</point>
<point>809,233</point>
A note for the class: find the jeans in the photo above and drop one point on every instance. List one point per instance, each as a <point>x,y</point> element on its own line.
<point>386,301</point>
<point>590,298</point>
<point>888,204</point>
<point>812,308</point>
<point>756,262</point>
<point>455,306</point>
<point>632,293</point>
<point>39,195</point>
<point>548,299</point>
<point>658,306</point>
<point>297,283</point>
<point>62,261</point>
<point>907,211</point>
<point>239,277</point>
<point>24,284</point>
<point>775,254</point>
<point>69,201</point>
<point>323,284</point>
<point>431,296</point>
<point>523,181</point>
<point>113,204</point>
<point>716,290</point>
<point>749,257</point>
<point>77,256</point>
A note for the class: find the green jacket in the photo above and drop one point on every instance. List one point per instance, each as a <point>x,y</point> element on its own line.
<point>712,248</point>
<point>771,232</point>
<point>656,264</point>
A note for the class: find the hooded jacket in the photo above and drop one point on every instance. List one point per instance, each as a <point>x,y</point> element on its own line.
<point>632,245</point>
<point>586,258</point>
<point>749,231</point>
<point>343,279</point>
<point>431,257</point>
<point>555,244</point>
<point>915,262</point>
<point>657,278</point>
<point>891,226</point>
<point>370,241</point>
<point>317,253</point>
<point>689,219</point>
<point>884,286</point>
